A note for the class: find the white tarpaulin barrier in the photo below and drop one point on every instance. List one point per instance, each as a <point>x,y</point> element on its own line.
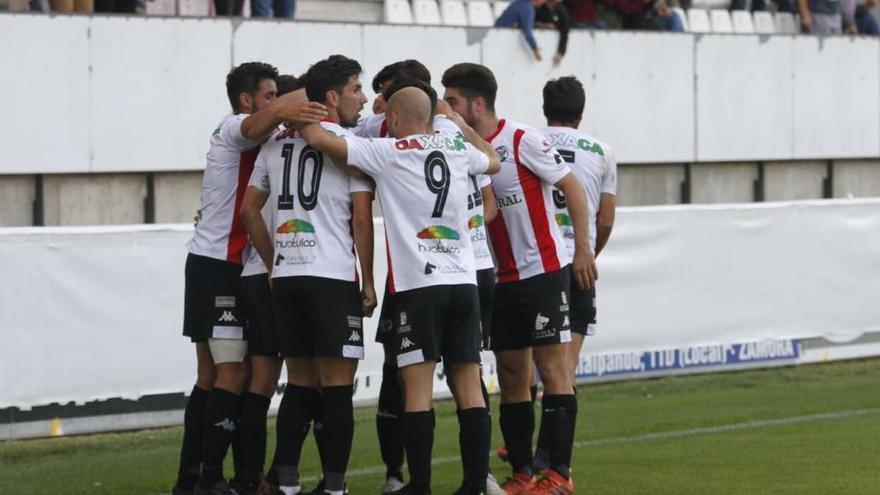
<point>90,313</point>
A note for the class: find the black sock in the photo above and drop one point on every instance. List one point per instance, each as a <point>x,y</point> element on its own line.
<point>253,437</point>
<point>222,417</point>
<point>338,434</point>
<point>193,439</point>
<point>318,428</point>
<point>542,449</point>
<point>294,419</point>
<point>517,427</point>
<point>388,422</point>
<point>473,440</point>
<point>488,408</point>
<point>533,391</point>
<point>560,415</point>
<point>418,434</point>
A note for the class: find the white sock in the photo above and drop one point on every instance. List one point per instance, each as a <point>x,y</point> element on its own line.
<point>290,490</point>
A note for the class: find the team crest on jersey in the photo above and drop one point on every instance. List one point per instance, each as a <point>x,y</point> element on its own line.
<point>503,153</point>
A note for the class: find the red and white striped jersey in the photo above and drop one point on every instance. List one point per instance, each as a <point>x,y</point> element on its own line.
<point>525,238</point>
<point>231,156</point>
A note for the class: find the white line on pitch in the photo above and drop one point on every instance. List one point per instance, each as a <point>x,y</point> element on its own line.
<point>748,425</point>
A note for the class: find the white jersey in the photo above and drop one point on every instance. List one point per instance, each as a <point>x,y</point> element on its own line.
<point>594,165</point>
<point>525,238</point>
<point>311,207</point>
<point>219,233</point>
<point>422,182</point>
<point>376,126</point>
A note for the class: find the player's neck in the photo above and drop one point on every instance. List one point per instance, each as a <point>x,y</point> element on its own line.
<point>487,124</point>
<point>556,123</point>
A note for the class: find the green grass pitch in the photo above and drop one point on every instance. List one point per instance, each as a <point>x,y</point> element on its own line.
<point>803,430</point>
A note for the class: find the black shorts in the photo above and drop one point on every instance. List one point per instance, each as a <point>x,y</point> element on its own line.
<point>583,308</point>
<point>532,312</point>
<point>260,314</point>
<point>437,323</point>
<point>486,286</point>
<point>212,305</point>
<point>318,317</point>
<point>385,332</point>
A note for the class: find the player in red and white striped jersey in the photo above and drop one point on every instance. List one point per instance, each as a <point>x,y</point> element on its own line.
<point>213,317</point>
<point>530,318</point>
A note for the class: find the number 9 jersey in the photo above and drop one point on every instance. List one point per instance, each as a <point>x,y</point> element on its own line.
<point>311,207</point>
<point>423,182</point>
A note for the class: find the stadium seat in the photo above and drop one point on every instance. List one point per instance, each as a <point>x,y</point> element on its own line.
<point>742,22</point>
<point>480,14</point>
<point>698,21</point>
<point>426,12</point>
<point>683,17</point>
<point>785,23</point>
<point>764,22</point>
<point>499,8</point>
<point>398,12</point>
<point>721,22</point>
<point>161,7</point>
<point>453,13</point>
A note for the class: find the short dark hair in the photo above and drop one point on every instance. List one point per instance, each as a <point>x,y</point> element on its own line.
<point>411,83</point>
<point>287,84</point>
<point>564,99</point>
<point>472,80</point>
<point>405,69</point>
<point>331,73</point>
<point>246,78</point>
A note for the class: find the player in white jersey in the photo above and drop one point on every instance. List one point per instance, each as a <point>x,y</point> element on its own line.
<point>213,317</point>
<point>263,351</point>
<point>530,318</point>
<point>422,180</point>
<point>319,216</point>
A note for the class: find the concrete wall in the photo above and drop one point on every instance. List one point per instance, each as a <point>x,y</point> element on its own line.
<point>640,185</point>
<point>857,178</point>
<point>94,199</point>
<point>723,182</point>
<point>177,196</point>
<point>17,194</point>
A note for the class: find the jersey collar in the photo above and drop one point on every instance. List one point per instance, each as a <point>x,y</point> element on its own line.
<point>497,131</point>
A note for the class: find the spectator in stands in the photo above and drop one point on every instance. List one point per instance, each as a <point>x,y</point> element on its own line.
<point>521,14</point>
<point>633,13</point>
<point>584,14</point>
<point>865,21</point>
<point>822,17</point>
<point>781,5</point>
<point>662,18</point>
<point>554,14</point>
<point>116,6</point>
<point>71,5</point>
<point>273,8</point>
<point>228,8</point>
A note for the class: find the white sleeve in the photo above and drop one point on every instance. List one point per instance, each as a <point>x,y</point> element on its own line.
<point>443,125</point>
<point>478,162</point>
<point>537,155</point>
<point>483,181</point>
<point>230,133</point>
<point>609,182</point>
<point>260,175</point>
<point>357,184</point>
<point>369,155</point>
<point>371,126</point>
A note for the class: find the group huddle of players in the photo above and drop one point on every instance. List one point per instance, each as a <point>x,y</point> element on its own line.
<point>491,228</point>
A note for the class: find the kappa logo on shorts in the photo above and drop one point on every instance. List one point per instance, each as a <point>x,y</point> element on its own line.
<point>565,322</point>
<point>224,302</point>
<point>227,317</point>
<point>541,322</point>
<point>227,424</point>
<point>354,337</point>
<point>406,343</point>
<point>354,322</point>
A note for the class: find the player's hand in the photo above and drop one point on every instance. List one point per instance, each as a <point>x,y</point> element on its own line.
<point>583,264</point>
<point>806,21</point>
<point>537,53</point>
<point>368,300</point>
<point>557,59</point>
<point>197,217</point>
<point>851,30</point>
<point>306,113</point>
<point>456,118</point>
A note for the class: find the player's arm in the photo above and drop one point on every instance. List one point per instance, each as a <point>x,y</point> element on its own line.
<point>604,220</point>
<point>253,223</point>
<point>490,207</point>
<point>583,264</point>
<point>362,225</point>
<point>286,108</point>
<point>479,143</point>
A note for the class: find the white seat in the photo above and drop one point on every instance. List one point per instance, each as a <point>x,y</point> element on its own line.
<point>480,14</point>
<point>764,22</point>
<point>721,22</point>
<point>682,17</point>
<point>499,7</point>
<point>453,13</point>
<point>398,12</point>
<point>742,22</point>
<point>785,24</point>
<point>426,12</point>
<point>698,21</point>
<point>710,4</point>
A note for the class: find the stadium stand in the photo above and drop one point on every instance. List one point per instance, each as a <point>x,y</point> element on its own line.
<point>698,21</point>
<point>742,22</point>
<point>453,13</point>
<point>786,23</point>
<point>681,15</point>
<point>426,12</point>
<point>764,23</point>
<point>499,7</point>
<point>720,21</point>
<point>480,13</point>
<point>398,12</point>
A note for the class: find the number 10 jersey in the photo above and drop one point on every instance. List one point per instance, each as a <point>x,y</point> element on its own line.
<point>311,207</point>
